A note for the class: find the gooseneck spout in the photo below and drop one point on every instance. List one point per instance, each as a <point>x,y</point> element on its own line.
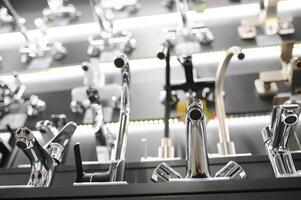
<point>225,145</point>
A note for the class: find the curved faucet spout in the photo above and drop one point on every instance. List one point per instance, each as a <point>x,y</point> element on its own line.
<point>225,146</point>
<point>123,63</point>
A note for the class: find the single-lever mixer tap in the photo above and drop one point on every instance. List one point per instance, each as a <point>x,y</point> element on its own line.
<point>44,160</point>
<point>117,165</point>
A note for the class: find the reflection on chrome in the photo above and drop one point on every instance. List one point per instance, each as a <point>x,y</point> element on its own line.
<point>44,160</point>
<point>284,120</point>
<point>197,166</point>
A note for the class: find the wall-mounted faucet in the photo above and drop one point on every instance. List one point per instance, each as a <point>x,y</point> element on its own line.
<point>58,13</point>
<point>13,93</point>
<point>266,85</point>
<point>117,165</point>
<point>197,166</point>
<point>284,121</point>
<point>109,42</point>
<point>39,48</point>
<point>44,160</point>
<point>187,32</point>
<point>6,20</point>
<point>225,145</point>
<point>269,19</point>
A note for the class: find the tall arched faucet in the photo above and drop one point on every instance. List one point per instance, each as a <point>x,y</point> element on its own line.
<point>225,145</point>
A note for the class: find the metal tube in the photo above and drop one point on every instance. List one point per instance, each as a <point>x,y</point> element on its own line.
<point>182,8</point>
<point>106,26</point>
<point>196,154</point>
<point>122,62</point>
<point>225,145</point>
<point>18,20</point>
<point>276,136</point>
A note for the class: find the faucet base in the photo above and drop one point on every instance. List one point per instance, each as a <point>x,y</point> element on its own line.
<point>226,148</point>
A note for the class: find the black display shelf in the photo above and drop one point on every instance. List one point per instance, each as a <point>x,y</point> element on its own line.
<point>234,189</point>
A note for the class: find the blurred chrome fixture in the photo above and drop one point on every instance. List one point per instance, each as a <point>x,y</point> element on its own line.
<point>95,79</point>
<point>35,106</point>
<point>13,93</point>
<point>225,145</point>
<point>187,32</point>
<point>36,48</point>
<point>7,149</point>
<point>6,20</point>
<point>10,94</point>
<point>58,13</point>
<point>117,165</point>
<point>44,160</point>
<point>289,74</point>
<point>269,19</point>
<point>197,166</point>
<point>109,42</point>
<point>284,121</point>
<point>130,6</point>
<point>104,136</point>
<point>169,4</point>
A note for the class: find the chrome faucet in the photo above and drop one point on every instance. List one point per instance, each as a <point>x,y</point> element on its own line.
<point>44,160</point>
<point>197,157</point>
<point>35,49</point>
<point>109,40</point>
<point>284,121</point>
<point>6,19</point>
<point>13,93</point>
<point>225,145</point>
<point>117,165</point>
<point>58,13</point>
<point>269,19</point>
<point>187,31</point>
<point>197,166</point>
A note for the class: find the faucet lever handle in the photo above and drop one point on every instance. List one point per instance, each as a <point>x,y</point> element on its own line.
<point>163,173</point>
<point>232,170</point>
<point>78,163</point>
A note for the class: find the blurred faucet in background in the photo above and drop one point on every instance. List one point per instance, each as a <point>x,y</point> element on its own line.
<point>7,23</point>
<point>187,33</point>
<point>58,13</point>
<point>269,19</point>
<point>38,48</point>
<point>13,93</point>
<point>109,43</point>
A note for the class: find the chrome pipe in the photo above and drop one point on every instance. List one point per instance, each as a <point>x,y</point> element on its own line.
<point>19,21</point>
<point>182,8</point>
<point>123,63</point>
<point>283,124</point>
<point>100,15</point>
<point>225,146</point>
<point>196,152</point>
